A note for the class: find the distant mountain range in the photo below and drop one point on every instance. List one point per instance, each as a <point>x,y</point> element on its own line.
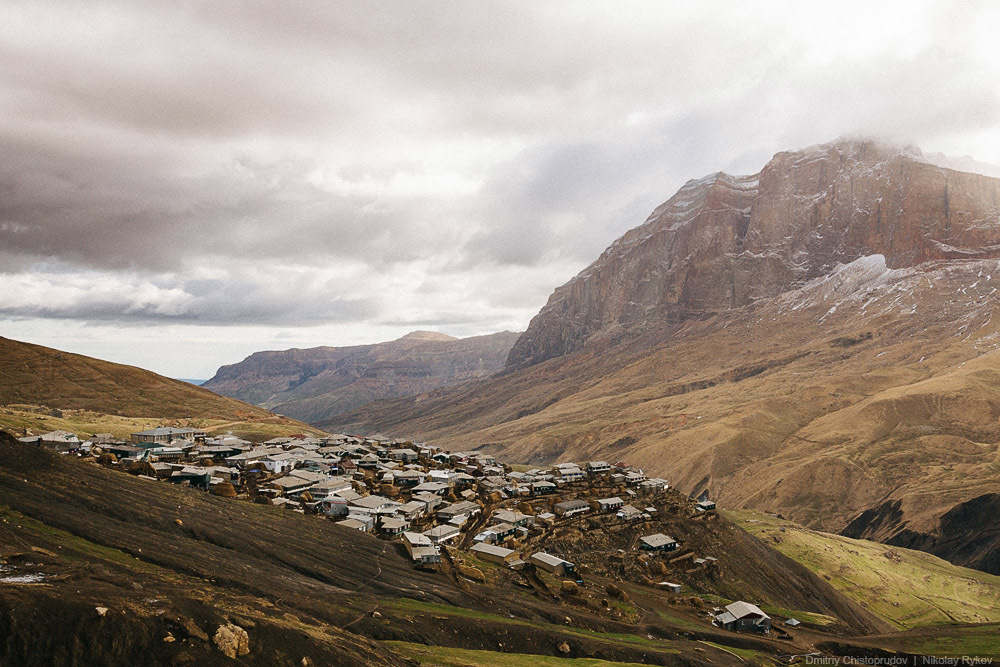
<point>319,383</point>
<point>818,339</point>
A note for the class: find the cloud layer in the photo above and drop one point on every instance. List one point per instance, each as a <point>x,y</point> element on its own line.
<point>355,170</point>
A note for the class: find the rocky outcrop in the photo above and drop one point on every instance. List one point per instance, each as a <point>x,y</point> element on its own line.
<point>232,640</point>
<point>321,382</point>
<point>723,242</point>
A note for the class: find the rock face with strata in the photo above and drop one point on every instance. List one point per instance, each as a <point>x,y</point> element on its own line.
<point>723,242</point>
<point>317,383</point>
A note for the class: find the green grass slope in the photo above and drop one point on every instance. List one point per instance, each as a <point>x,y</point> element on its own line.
<point>910,589</point>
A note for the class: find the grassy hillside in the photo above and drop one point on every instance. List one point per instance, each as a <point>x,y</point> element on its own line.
<point>36,375</point>
<point>93,396</point>
<point>36,420</point>
<point>910,589</point>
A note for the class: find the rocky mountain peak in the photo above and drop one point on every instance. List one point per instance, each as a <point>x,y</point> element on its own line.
<point>426,336</point>
<point>723,242</point>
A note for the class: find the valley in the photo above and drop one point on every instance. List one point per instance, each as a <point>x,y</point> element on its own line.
<point>814,347</point>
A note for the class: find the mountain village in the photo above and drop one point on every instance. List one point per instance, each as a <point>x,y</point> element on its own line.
<point>459,513</point>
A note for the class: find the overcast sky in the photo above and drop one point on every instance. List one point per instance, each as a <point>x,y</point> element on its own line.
<point>184,183</point>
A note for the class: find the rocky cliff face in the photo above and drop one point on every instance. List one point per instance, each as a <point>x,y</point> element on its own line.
<point>321,382</point>
<point>723,241</point>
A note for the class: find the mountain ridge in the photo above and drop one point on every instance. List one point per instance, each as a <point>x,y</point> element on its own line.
<point>315,384</point>
<point>723,242</point>
<point>829,358</point>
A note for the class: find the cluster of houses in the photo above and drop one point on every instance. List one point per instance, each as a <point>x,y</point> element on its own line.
<point>422,495</point>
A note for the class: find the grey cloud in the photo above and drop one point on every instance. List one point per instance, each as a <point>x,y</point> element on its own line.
<point>99,214</point>
<point>192,151</point>
<point>109,298</point>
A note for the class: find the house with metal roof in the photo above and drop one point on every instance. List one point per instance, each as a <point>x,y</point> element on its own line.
<point>495,554</point>
<point>657,542</point>
<point>420,548</point>
<point>744,617</point>
<point>596,467</point>
<point>165,435</point>
<point>353,524</point>
<point>570,507</point>
<point>462,507</point>
<point>569,472</point>
<point>512,517</point>
<point>391,527</point>
<point>373,503</point>
<point>551,563</point>
<point>443,533</point>
<point>629,513</point>
<point>542,487</point>
<point>609,504</point>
